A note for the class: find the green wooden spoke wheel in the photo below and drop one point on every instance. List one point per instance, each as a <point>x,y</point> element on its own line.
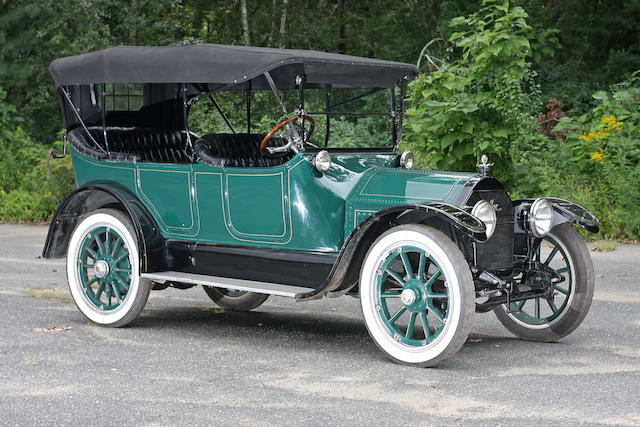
<point>417,295</point>
<point>414,297</point>
<point>549,319</point>
<point>103,269</point>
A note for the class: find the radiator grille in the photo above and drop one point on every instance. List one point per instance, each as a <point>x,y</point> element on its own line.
<point>497,252</point>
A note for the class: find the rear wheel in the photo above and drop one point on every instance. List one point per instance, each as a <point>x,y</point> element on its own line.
<point>417,295</point>
<point>235,300</point>
<point>549,319</point>
<point>103,269</point>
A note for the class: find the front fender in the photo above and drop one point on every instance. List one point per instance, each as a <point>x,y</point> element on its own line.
<point>87,199</point>
<point>564,211</point>
<point>346,269</point>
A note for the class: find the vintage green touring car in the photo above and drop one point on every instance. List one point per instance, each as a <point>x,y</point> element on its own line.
<point>247,214</point>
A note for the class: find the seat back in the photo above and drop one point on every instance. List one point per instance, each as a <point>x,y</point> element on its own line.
<point>240,150</point>
<point>135,144</point>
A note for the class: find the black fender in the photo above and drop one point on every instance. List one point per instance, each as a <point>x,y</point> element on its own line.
<point>87,199</point>
<point>564,211</point>
<point>345,272</point>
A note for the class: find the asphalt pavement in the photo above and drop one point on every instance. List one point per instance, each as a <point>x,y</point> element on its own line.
<point>186,362</point>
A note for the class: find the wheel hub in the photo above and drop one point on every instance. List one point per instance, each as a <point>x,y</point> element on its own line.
<point>101,269</point>
<point>408,297</point>
<point>413,295</point>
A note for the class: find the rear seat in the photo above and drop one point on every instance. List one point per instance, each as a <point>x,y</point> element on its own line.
<point>129,144</point>
<point>134,144</point>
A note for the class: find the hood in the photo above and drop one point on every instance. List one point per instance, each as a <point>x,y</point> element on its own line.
<point>396,186</point>
<point>380,188</point>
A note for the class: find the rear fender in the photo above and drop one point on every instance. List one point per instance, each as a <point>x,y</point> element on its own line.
<point>84,200</point>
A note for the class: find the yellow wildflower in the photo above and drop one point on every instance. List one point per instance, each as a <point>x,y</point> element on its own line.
<point>614,126</point>
<point>599,156</point>
<point>608,120</point>
<point>609,123</point>
<point>600,134</point>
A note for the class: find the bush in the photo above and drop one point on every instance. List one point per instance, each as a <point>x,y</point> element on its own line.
<point>599,164</point>
<point>25,193</point>
<point>485,102</point>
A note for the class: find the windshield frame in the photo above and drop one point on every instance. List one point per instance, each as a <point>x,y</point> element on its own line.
<point>395,112</point>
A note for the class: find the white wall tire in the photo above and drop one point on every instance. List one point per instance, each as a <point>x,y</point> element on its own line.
<point>445,282</point>
<point>103,269</point>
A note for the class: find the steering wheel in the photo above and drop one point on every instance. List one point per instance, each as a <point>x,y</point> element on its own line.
<point>265,140</point>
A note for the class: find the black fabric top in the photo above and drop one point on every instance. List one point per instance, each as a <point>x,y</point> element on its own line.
<point>220,66</point>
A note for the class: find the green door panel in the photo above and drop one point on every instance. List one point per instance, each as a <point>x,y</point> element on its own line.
<point>209,195</point>
<point>256,205</point>
<point>167,191</point>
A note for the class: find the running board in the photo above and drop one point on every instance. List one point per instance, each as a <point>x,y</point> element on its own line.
<point>228,283</point>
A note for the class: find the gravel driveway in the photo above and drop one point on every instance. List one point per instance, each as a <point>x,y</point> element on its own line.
<point>185,362</point>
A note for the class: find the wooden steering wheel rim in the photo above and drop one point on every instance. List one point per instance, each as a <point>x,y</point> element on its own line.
<point>279,126</point>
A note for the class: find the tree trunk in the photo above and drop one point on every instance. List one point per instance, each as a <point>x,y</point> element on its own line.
<point>133,35</point>
<point>283,22</point>
<point>342,32</point>
<point>245,22</point>
<point>322,5</point>
<point>273,23</point>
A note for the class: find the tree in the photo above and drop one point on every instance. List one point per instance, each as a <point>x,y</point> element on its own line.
<point>245,22</point>
<point>283,22</point>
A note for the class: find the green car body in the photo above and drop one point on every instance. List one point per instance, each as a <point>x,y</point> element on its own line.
<point>291,206</point>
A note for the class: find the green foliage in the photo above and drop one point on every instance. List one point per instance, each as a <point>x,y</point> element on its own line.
<point>7,112</point>
<point>364,132</point>
<point>600,161</point>
<point>506,58</point>
<point>25,194</point>
<point>605,245</point>
<point>484,101</point>
<point>599,42</point>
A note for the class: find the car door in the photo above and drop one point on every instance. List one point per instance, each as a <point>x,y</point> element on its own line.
<point>243,206</point>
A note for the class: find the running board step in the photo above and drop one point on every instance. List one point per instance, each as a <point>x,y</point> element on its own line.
<point>228,283</point>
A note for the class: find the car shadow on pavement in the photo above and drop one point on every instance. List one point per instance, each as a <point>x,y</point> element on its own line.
<point>302,330</point>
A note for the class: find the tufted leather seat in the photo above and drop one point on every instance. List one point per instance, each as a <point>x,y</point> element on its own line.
<point>134,144</point>
<point>240,150</point>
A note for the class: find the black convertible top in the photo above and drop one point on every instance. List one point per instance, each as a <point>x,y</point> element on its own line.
<point>220,66</point>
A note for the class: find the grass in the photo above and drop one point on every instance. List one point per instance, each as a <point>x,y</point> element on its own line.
<point>605,245</point>
<point>212,309</point>
<point>46,293</point>
<point>30,361</point>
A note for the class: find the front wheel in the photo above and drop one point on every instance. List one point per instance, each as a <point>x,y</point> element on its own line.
<point>417,295</point>
<point>549,319</point>
<point>103,269</point>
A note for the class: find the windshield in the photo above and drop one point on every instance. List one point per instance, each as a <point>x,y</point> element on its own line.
<point>344,118</point>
